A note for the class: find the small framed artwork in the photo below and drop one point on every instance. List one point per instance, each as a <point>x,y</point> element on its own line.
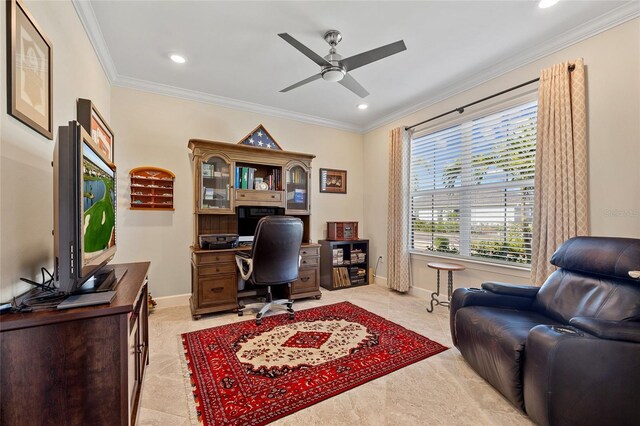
<point>89,117</point>
<point>334,181</point>
<point>29,60</point>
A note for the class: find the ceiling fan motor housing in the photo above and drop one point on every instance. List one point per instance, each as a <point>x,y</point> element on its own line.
<point>336,71</point>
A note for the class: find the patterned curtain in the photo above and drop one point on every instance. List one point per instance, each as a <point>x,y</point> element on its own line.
<point>398,261</point>
<point>560,205</point>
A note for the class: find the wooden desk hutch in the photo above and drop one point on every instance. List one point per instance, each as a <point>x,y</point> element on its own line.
<point>214,276</point>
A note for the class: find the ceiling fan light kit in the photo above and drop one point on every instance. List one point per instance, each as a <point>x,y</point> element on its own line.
<point>335,69</point>
<point>333,74</point>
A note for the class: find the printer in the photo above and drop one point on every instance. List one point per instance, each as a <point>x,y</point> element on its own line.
<point>218,241</point>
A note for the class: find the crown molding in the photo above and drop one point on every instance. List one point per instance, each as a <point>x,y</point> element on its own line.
<point>194,95</point>
<point>92,28</point>
<point>617,16</point>
<point>620,15</point>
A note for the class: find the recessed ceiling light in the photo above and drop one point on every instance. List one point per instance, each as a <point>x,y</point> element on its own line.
<point>546,3</point>
<point>363,106</point>
<point>178,59</point>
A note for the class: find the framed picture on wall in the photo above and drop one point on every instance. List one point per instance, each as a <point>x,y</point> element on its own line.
<point>29,60</point>
<point>89,117</point>
<point>334,181</point>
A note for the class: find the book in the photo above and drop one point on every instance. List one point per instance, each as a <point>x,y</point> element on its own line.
<point>208,193</point>
<point>238,177</point>
<point>299,195</point>
<point>250,177</point>
<point>245,178</point>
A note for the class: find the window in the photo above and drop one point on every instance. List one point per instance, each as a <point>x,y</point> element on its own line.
<point>472,185</point>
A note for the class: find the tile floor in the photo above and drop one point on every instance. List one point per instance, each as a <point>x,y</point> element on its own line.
<point>440,390</point>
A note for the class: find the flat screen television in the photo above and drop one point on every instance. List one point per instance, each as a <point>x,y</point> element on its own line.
<point>84,212</point>
<point>248,218</point>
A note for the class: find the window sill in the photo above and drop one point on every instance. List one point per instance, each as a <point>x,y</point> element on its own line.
<point>476,264</point>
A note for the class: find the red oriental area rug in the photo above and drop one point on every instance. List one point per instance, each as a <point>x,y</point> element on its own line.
<point>243,374</point>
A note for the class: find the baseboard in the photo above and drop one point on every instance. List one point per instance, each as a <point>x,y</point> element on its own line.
<point>171,301</point>
<point>422,293</point>
<point>381,281</point>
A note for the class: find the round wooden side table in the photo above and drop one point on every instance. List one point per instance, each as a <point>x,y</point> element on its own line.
<point>441,266</point>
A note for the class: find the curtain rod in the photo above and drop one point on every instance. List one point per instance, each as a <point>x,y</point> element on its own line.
<point>462,108</point>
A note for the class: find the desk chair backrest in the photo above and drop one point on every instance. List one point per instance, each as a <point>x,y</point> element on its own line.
<point>276,250</point>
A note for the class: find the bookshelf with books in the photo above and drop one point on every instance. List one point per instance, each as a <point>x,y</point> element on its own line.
<point>344,264</point>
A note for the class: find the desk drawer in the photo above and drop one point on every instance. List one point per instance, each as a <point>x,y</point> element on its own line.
<point>218,290</point>
<point>243,195</point>
<point>307,280</point>
<point>217,268</point>
<point>309,261</point>
<point>213,257</point>
<point>309,251</point>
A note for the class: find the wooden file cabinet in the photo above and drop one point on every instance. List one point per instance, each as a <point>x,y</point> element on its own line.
<point>308,282</point>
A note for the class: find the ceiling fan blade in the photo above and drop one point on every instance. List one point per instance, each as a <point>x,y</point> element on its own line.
<point>305,50</point>
<point>351,84</point>
<point>356,61</point>
<point>301,83</point>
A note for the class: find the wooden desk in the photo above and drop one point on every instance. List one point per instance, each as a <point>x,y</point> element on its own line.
<point>214,279</point>
<point>82,366</point>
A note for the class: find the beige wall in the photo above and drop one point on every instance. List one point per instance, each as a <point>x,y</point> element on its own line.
<point>26,175</point>
<point>154,130</point>
<point>613,89</point>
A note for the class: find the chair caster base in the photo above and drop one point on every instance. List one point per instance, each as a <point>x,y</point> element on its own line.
<point>292,316</point>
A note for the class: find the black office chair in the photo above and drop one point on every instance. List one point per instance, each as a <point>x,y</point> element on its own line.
<point>274,259</point>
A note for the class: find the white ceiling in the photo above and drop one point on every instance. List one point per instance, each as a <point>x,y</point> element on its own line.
<point>235,57</point>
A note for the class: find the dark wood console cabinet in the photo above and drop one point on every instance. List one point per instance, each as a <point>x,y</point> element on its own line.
<point>82,366</point>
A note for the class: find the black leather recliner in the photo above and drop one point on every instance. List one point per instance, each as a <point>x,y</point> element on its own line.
<point>566,353</point>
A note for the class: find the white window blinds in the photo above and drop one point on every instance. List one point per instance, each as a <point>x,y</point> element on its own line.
<point>472,187</point>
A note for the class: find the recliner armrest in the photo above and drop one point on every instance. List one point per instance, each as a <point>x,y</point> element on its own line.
<point>477,297</point>
<point>511,289</point>
<point>574,378</point>
<point>611,330</point>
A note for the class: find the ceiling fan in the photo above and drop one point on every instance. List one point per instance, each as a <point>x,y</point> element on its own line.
<point>336,69</point>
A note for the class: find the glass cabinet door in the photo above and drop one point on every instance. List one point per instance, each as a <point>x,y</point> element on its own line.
<point>297,189</point>
<point>215,177</point>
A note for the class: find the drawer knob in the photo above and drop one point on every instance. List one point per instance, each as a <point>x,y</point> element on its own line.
<point>273,196</point>
<point>305,279</point>
<point>304,252</point>
<point>217,289</point>
<point>242,195</point>
<point>304,261</point>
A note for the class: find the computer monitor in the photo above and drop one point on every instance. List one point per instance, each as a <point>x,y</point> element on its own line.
<point>248,218</point>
